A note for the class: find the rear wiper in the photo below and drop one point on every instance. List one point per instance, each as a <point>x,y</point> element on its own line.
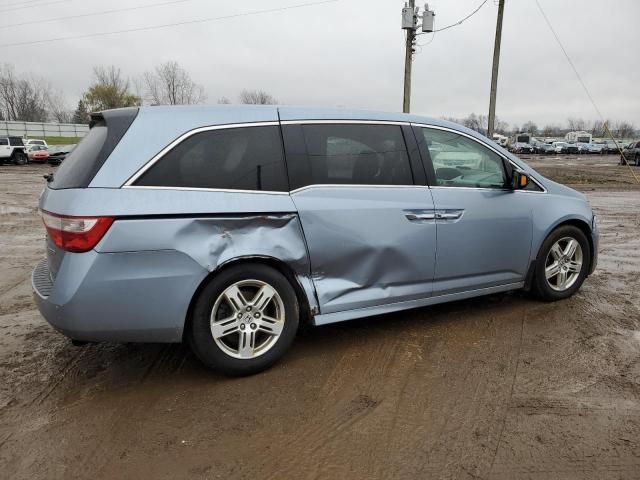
<point>48,177</point>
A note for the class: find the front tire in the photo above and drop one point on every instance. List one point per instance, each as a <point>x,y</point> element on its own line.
<point>562,264</point>
<point>244,320</point>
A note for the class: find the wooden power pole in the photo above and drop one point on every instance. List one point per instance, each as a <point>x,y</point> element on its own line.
<point>408,59</point>
<point>494,71</point>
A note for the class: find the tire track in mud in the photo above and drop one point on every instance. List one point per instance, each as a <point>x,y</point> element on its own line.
<point>359,385</point>
<point>399,416</point>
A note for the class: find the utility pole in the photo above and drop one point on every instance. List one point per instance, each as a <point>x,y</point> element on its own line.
<point>410,16</point>
<point>494,71</point>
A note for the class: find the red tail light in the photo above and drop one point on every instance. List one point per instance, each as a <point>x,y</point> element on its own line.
<point>75,234</point>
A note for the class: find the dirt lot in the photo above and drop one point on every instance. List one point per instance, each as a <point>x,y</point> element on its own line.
<point>500,387</point>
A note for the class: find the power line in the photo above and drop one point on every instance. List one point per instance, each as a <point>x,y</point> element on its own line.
<point>167,25</point>
<point>575,70</point>
<point>584,86</point>
<point>460,21</point>
<point>104,12</point>
<point>31,6</point>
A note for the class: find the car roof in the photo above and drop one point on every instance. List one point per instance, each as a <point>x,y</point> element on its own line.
<point>221,114</point>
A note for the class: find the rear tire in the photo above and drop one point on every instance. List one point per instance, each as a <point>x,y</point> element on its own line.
<point>244,320</point>
<point>637,160</point>
<point>19,158</point>
<point>564,255</point>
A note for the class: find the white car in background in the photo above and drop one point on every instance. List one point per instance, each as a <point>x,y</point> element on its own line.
<point>35,141</point>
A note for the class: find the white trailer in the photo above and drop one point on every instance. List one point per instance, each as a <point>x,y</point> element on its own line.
<point>578,137</point>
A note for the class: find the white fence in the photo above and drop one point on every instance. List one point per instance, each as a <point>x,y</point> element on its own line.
<point>37,129</point>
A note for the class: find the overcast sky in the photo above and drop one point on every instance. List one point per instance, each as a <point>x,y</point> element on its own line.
<point>351,53</point>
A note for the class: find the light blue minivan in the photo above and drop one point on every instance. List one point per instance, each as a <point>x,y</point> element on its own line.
<point>227,226</point>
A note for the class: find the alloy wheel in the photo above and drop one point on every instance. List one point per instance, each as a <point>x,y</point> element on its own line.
<point>563,264</point>
<point>247,319</point>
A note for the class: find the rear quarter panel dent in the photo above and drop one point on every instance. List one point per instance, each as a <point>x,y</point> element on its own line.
<point>216,241</point>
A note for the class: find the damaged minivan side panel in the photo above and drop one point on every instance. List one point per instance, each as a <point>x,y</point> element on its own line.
<point>210,242</point>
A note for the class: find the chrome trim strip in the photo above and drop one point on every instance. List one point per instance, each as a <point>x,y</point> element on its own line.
<point>186,135</point>
<point>198,189</point>
<point>349,185</point>
<point>342,122</point>
<point>490,147</point>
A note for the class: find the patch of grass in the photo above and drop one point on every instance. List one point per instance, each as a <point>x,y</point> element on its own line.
<point>57,140</point>
<point>62,140</point>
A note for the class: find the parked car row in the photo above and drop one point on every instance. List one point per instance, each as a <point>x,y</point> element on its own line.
<point>16,151</point>
<point>560,147</point>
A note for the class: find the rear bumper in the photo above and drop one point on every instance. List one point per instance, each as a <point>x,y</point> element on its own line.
<point>118,297</point>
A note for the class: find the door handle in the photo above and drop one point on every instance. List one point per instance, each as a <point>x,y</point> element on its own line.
<point>449,214</point>
<point>418,217</point>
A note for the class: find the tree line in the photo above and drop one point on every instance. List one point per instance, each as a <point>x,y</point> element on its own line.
<point>25,97</point>
<point>480,123</point>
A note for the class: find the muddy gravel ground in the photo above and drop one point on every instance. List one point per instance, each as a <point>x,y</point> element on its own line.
<point>497,387</point>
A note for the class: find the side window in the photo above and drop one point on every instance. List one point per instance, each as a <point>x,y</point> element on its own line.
<point>246,158</point>
<point>459,161</point>
<point>357,154</point>
<point>4,141</point>
<point>15,141</point>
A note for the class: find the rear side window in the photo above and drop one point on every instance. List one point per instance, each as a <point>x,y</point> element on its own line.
<point>4,141</point>
<point>357,154</point>
<point>82,164</point>
<point>245,158</point>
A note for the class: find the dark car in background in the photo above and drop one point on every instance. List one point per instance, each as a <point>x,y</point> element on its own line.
<point>632,153</point>
<point>545,148</point>
<point>58,153</point>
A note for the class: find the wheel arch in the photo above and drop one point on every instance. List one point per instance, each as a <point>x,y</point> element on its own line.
<point>302,294</point>
<point>579,223</point>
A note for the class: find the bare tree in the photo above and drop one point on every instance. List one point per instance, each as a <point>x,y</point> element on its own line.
<point>552,130</point>
<point>22,97</point>
<point>530,127</point>
<point>170,84</point>
<point>501,126</point>
<point>257,97</point>
<point>479,123</point>
<point>109,90</point>
<point>58,110</point>
<point>224,101</point>
<point>623,130</point>
<point>576,124</point>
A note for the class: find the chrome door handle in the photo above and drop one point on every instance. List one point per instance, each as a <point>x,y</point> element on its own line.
<point>449,214</point>
<point>414,217</point>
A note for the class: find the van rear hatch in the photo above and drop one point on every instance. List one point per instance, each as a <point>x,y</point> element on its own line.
<point>78,170</point>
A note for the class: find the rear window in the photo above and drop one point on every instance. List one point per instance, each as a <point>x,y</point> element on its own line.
<point>246,158</point>
<point>82,164</point>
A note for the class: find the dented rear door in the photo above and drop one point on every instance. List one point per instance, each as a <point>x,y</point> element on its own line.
<point>369,228</point>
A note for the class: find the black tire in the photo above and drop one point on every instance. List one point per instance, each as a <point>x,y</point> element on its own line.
<point>201,337</point>
<point>637,160</point>
<point>541,286</point>
<point>19,158</point>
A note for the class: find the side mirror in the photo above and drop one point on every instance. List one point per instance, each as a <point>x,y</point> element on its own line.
<point>519,180</point>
